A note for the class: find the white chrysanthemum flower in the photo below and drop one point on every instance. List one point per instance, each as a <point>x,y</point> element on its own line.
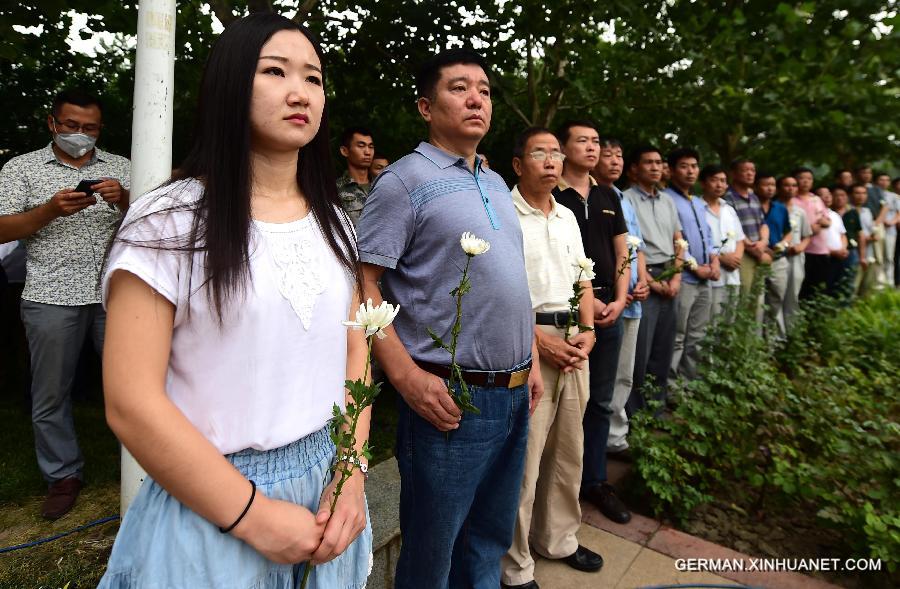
<point>853,243</point>
<point>730,234</point>
<point>373,319</point>
<point>691,262</point>
<point>587,267</point>
<point>681,244</point>
<point>473,246</point>
<point>633,242</point>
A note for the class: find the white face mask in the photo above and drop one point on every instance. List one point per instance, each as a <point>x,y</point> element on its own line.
<point>74,144</point>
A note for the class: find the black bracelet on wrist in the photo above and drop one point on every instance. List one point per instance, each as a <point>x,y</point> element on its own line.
<point>246,509</point>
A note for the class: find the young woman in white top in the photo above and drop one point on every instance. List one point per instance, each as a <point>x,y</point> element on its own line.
<point>225,352</point>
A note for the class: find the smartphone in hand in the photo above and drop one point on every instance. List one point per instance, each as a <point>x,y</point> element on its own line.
<point>85,186</point>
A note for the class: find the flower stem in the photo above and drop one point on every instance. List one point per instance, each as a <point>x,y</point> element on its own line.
<point>454,331</point>
<point>344,473</point>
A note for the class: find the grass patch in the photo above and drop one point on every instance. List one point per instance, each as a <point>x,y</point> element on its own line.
<point>79,560</point>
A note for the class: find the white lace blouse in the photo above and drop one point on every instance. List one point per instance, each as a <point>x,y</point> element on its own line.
<point>270,373</point>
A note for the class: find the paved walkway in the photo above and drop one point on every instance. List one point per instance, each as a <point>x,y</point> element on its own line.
<point>627,565</point>
<point>639,555</point>
<point>643,554</point>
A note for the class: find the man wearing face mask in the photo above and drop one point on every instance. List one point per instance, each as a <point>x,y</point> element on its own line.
<point>65,233</point>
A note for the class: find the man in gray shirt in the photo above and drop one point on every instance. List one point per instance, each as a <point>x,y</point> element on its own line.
<point>660,228</point>
<point>65,235</point>
<point>460,474</point>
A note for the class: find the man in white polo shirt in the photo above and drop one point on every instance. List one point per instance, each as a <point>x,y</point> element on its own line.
<point>727,236</point>
<point>549,512</point>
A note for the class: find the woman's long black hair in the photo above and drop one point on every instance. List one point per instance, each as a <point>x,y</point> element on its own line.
<point>220,158</point>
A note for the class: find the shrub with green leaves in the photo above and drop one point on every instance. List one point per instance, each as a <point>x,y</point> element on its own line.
<point>811,421</point>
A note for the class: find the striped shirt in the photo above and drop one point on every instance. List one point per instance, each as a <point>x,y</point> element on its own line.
<point>748,211</point>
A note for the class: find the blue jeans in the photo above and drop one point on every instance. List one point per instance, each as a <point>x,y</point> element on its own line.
<point>603,364</point>
<point>459,494</point>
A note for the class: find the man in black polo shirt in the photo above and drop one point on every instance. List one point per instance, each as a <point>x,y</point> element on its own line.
<point>599,214</point>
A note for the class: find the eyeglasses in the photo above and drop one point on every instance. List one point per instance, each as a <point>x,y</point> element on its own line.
<point>540,156</point>
<point>73,127</point>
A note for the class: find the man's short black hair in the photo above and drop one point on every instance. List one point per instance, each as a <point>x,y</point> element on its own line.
<point>380,156</point>
<point>76,96</point>
<point>524,136</point>
<point>856,185</point>
<point>738,162</point>
<point>861,167</point>
<point>608,142</point>
<point>762,175</point>
<point>680,153</point>
<point>634,156</point>
<point>801,170</point>
<point>840,187</point>
<point>779,182</point>
<point>349,132</point>
<point>564,131</point>
<point>430,72</point>
<point>710,170</point>
<point>877,175</point>
<point>838,172</point>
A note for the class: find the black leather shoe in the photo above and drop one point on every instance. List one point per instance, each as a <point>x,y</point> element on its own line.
<point>584,560</point>
<point>603,496</point>
<point>528,585</point>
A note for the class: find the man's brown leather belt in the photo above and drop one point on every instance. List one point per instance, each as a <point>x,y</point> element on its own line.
<point>478,378</point>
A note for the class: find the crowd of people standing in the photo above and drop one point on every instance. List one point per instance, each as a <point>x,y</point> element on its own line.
<point>218,308</point>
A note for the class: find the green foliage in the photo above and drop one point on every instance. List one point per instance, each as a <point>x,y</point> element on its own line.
<point>813,422</point>
<point>775,80</point>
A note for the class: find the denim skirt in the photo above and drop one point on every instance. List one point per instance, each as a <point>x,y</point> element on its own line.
<point>164,545</point>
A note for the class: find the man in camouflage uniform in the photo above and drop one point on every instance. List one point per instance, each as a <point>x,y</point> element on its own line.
<point>353,185</point>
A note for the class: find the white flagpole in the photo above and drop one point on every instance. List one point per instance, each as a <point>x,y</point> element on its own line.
<point>151,139</point>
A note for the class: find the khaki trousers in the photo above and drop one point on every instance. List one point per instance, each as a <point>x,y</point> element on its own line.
<point>867,280</point>
<point>748,272</point>
<point>549,513</point>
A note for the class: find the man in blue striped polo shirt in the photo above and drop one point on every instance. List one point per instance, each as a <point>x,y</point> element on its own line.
<point>460,474</point>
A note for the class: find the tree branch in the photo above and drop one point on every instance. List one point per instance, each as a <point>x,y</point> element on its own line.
<point>506,97</point>
<point>304,9</point>
<point>532,82</point>
<point>259,6</point>
<point>222,10</point>
<point>557,94</point>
